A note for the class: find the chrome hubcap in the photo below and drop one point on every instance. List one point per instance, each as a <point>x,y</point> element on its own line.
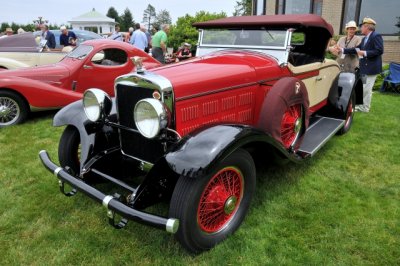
<point>297,125</point>
<point>9,111</point>
<point>230,204</point>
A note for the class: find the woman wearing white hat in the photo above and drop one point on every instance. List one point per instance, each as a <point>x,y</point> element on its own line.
<point>349,61</point>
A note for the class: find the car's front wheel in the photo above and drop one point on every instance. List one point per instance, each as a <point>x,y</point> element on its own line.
<point>69,149</point>
<point>212,207</point>
<point>13,109</point>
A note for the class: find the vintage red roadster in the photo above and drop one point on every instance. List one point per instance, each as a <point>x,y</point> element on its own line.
<point>189,133</point>
<point>94,63</point>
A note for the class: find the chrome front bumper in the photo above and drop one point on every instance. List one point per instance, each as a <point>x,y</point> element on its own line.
<point>112,204</point>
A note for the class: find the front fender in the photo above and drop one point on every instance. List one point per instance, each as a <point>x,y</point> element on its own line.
<point>38,94</point>
<point>74,115</point>
<point>195,155</point>
<point>11,63</point>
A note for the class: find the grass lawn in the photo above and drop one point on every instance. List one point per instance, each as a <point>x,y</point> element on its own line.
<point>340,207</point>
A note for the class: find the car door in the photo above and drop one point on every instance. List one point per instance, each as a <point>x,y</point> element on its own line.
<point>328,71</point>
<point>101,68</point>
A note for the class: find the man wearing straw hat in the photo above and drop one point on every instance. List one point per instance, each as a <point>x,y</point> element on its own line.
<point>370,53</point>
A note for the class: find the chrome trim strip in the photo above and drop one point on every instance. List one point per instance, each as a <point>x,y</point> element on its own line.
<point>147,164</point>
<point>57,171</point>
<point>107,200</point>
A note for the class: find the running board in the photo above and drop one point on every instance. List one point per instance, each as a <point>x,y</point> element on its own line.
<point>318,134</point>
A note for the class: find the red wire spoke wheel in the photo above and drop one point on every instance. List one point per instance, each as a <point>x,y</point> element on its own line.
<point>220,200</point>
<point>291,125</point>
<point>212,207</point>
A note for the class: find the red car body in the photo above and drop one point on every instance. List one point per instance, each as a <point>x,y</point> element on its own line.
<point>57,85</point>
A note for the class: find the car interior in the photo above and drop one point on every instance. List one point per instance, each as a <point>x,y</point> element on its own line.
<point>110,57</point>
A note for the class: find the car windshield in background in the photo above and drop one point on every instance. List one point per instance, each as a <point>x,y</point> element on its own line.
<point>244,37</point>
<point>80,52</point>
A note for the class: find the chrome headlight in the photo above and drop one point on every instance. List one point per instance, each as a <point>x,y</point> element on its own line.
<point>97,104</point>
<point>150,117</point>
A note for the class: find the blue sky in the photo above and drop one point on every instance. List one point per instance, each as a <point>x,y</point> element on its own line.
<point>24,11</point>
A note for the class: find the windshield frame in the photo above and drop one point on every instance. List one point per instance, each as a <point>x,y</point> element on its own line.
<point>78,49</point>
<point>279,53</point>
<point>266,47</point>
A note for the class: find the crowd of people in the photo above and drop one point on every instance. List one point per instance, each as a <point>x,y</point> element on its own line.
<point>352,51</point>
<point>138,36</point>
<point>142,39</point>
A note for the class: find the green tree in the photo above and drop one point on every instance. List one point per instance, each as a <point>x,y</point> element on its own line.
<point>113,13</point>
<point>149,15</point>
<point>126,20</point>
<point>162,17</point>
<point>398,23</point>
<point>243,8</point>
<point>183,31</point>
<point>4,26</point>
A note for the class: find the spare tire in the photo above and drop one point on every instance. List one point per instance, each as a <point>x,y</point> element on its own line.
<point>284,113</point>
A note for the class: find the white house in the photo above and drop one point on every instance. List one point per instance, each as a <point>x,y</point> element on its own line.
<point>93,21</point>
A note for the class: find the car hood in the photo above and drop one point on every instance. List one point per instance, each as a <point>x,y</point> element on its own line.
<point>53,74</point>
<point>220,70</point>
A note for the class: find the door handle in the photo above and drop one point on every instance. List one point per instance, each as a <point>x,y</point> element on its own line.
<point>87,67</point>
<point>318,79</point>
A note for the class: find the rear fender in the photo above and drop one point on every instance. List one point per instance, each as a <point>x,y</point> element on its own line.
<point>197,154</point>
<point>339,95</point>
<point>40,95</point>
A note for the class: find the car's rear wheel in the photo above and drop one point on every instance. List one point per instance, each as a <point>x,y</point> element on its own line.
<point>212,207</point>
<point>13,109</point>
<point>291,125</point>
<point>351,107</point>
<point>69,149</point>
<point>284,114</point>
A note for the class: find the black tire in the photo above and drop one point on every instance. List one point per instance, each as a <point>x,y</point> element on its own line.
<point>193,199</point>
<point>13,109</point>
<point>350,110</point>
<point>69,149</point>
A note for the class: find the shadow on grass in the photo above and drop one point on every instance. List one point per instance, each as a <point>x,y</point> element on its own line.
<point>33,117</point>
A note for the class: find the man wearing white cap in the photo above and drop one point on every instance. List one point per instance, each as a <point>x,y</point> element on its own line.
<point>370,53</point>
<point>67,38</point>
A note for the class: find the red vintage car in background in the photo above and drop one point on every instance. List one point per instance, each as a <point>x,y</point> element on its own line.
<point>260,88</point>
<point>94,63</point>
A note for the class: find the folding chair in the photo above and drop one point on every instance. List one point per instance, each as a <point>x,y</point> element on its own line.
<point>392,79</point>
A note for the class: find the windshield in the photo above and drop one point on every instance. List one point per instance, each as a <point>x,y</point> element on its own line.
<point>80,52</point>
<point>244,37</point>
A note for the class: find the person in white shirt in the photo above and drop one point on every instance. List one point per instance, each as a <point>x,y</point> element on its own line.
<point>139,38</point>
